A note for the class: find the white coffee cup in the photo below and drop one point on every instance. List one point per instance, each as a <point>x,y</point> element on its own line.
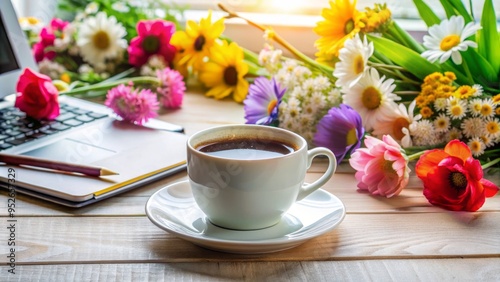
<point>240,191</point>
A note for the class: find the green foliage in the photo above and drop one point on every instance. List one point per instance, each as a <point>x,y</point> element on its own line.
<point>129,17</point>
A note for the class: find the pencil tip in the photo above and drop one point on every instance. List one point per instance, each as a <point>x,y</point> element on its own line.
<point>105,172</point>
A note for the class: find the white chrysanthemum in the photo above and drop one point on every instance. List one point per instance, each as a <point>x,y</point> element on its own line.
<point>423,133</point>
<point>442,123</point>
<point>476,146</point>
<point>318,99</point>
<point>321,83</point>
<point>448,39</point>
<point>308,85</point>
<point>372,98</point>
<point>472,127</point>
<point>283,77</point>
<point>301,73</point>
<point>101,38</point>
<point>457,109</point>
<point>353,61</point>
<point>492,127</point>
<point>154,63</point>
<point>334,96</point>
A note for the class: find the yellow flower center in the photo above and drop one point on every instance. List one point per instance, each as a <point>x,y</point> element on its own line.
<point>449,42</point>
<point>231,76</point>
<point>492,127</point>
<point>271,106</point>
<point>151,44</point>
<point>486,110</point>
<point>397,127</point>
<point>101,40</point>
<point>359,64</point>
<point>458,180</point>
<point>371,98</point>
<point>351,137</point>
<point>199,43</point>
<point>349,26</point>
<point>456,110</point>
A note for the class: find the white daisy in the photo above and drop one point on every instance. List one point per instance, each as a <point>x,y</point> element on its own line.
<point>476,146</point>
<point>440,104</point>
<point>442,123</point>
<point>353,62</point>
<point>492,127</point>
<point>372,98</point>
<point>101,38</point>
<point>457,109</point>
<point>448,39</point>
<point>63,42</point>
<point>478,90</point>
<point>475,106</point>
<point>488,108</point>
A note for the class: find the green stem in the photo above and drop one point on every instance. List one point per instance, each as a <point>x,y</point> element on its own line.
<point>323,68</point>
<point>106,86</point>
<point>467,71</point>
<point>490,164</point>
<point>415,156</point>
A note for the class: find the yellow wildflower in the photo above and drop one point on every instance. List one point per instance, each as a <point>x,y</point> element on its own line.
<point>341,21</point>
<point>224,72</point>
<point>426,112</point>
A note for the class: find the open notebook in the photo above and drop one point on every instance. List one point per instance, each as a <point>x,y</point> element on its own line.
<point>84,133</point>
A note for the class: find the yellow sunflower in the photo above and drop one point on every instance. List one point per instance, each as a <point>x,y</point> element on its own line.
<point>196,41</point>
<point>224,72</point>
<point>342,21</point>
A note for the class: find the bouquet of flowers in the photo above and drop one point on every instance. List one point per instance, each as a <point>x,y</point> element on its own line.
<point>372,82</point>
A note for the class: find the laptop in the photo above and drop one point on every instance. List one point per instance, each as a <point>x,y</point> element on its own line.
<point>84,133</point>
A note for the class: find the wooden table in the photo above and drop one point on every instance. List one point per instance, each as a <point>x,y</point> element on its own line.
<point>398,239</point>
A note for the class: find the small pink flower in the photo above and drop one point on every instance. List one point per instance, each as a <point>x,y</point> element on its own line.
<point>48,36</point>
<point>153,39</point>
<point>382,167</point>
<point>37,96</point>
<point>133,105</point>
<point>171,89</point>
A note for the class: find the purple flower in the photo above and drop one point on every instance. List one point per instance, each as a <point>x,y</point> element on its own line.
<point>171,89</point>
<point>261,104</point>
<point>131,104</point>
<point>340,130</point>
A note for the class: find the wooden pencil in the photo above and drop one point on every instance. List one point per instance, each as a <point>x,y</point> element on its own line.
<point>21,160</point>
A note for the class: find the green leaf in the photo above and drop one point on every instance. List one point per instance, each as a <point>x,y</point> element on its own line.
<point>448,8</point>
<point>488,39</point>
<point>483,71</point>
<point>460,8</point>
<point>404,57</point>
<point>426,13</point>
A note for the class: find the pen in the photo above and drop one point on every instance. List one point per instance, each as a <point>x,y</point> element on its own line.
<point>56,165</point>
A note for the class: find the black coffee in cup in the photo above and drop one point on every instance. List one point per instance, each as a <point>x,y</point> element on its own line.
<point>251,149</point>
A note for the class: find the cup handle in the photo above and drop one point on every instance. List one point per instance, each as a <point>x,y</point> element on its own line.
<point>307,189</point>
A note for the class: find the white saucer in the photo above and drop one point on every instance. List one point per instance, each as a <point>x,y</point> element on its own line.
<point>173,209</point>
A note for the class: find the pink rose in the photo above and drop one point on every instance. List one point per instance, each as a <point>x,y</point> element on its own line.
<point>382,167</point>
<point>37,96</point>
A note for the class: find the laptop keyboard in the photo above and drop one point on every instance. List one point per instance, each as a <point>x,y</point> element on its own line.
<point>16,128</point>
